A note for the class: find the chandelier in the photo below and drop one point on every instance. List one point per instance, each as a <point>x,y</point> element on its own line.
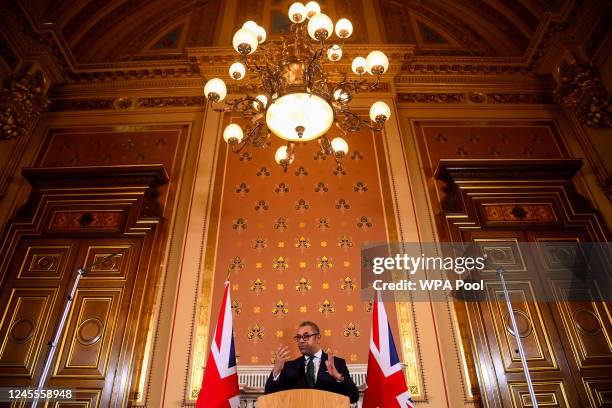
<point>301,101</point>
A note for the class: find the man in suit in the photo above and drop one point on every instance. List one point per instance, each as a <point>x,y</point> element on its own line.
<point>313,369</point>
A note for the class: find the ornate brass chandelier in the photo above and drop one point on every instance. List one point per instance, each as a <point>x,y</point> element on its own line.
<point>300,102</point>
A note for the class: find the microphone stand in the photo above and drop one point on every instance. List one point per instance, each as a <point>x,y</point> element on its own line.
<point>60,328</point>
<point>500,272</point>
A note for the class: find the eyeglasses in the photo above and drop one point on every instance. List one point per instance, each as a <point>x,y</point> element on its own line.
<point>304,337</point>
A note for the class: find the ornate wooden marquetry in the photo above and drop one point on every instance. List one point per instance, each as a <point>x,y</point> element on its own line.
<point>526,216</point>
<point>105,219</point>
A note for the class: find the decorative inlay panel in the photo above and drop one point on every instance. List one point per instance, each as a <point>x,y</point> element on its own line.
<point>82,220</point>
<point>599,391</point>
<point>587,324</point>
<point>89,333</point>
<point>107,262</point>
<point>548,394</point>
<point>44,262</point>
<point>532,329</point>
<point>501,252</point>
<point>24,322</point>
<point>519,212</point>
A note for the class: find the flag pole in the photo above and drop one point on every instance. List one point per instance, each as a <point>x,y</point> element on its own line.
<point>534,401</point>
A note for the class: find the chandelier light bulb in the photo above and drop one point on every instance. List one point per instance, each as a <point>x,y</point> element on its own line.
<point>281,154</point>
<point>297,12</point>
<point>377,63</point>
<point>261,34</point>
<point>312,8</point>
<point>320,27</point>
<point>215,90</point>
<point>250,25</point>
<point>339,146</point>
<point>259,31</point>
<point>380,112</point>
<point>264,102</point>
<point>344,28</point>
<point>334,53</point>
<point>237,71</point>
<point>342,95</point>
<point>359,65</point>
<point>245,41</point>
<point>232,134</point>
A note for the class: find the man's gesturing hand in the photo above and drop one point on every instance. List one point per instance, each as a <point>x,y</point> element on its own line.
<point>282,354</point>
<point>331,367</point>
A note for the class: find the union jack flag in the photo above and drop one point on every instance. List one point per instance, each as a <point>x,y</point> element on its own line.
<point>220,382</point>
<point>386,385</point>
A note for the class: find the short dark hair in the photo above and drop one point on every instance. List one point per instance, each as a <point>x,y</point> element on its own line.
<point>314,326</point>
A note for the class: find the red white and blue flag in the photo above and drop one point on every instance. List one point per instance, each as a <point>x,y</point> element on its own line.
<point>386,385</point>
<point>220,382</point>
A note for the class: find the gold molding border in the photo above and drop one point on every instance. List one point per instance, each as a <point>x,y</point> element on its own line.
<point>202,323</point>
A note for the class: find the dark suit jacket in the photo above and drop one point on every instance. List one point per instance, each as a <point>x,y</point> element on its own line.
<point>293,376</point>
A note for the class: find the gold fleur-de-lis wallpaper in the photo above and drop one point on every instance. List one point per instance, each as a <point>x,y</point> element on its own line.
<point>293,240</point>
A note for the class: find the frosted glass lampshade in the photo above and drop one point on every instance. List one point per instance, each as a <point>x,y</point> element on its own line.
<point>237,71</point>
<point>281,154</point>
<point>232,133</point>
<point>245,41</point>
<point>264,102</point>
<point>261,34</point>
<point>320,27</point>
<point>340,146</point>
<point>259,31</point>
<point>377,63</point>
<point>293,113</point>
<point>359,65</point>
<point>215,90</point>
<point>380,112</point>
<point>344,28</point>
<point>250,25</point>
<point>312,8</point>
<point>297,12</point>
<point>334,53</point>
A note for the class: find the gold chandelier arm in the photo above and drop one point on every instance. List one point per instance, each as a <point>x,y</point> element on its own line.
<point>256,136</point>
<point>353,123</point>
<point>246,106</point>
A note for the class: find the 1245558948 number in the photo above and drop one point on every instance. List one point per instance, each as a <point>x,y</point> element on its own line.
<point>8,394</point>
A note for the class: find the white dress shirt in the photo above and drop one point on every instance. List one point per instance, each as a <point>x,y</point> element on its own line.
<point>316,362</point>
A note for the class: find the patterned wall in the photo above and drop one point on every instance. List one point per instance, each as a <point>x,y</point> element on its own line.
<point>488,140</point>
<point>484,140</point>
<point>116,146</point>
<point>291,243</point>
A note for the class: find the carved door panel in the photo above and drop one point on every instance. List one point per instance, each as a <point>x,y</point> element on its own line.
<point>93,355</point>
<point>33,288</point>
<point>496,345</point>
<point>584,323</point>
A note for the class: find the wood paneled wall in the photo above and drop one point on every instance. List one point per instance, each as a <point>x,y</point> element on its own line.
<point>105,219</point>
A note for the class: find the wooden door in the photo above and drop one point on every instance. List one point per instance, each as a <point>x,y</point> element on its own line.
<point>584,323</point>
<point>89,355</point>
<point>502,205</point>
<point>537,324</point>
<point>567,343</point>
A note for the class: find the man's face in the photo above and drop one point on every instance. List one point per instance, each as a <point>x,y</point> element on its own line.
<point>308,344</point>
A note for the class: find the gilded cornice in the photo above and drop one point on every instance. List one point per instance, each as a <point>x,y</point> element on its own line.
<point>215,61</point>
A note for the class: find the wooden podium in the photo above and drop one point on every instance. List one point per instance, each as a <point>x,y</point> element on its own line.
<point>303,398</point>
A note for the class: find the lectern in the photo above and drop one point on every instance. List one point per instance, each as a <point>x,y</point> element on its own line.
<point>304,398</point>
